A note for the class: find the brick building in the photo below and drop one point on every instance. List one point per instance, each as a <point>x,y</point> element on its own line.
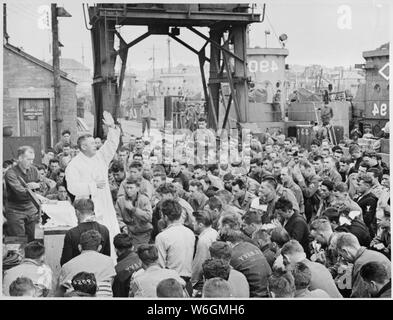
<point>28,97</point>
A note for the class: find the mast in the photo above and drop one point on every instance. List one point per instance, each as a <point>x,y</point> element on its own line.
<point>169,55</point>
<point>154,71</point>
<point>154,64</point>
<point>5,34</point>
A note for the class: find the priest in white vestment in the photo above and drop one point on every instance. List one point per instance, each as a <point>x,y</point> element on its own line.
<point>87,175</point>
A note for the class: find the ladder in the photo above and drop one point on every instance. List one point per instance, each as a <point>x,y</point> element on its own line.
<point>332,135</point>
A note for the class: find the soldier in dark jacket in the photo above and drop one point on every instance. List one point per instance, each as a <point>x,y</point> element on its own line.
<point>86,221</point>
<point>246,257</point>
<point>127,263</point>
<point>21,213</point>
<point>177,173</point>
<point>294,223</point>
<point>356,156</point>
<point>342,221</point>
<point>367,201</point>
<point>355,226</point>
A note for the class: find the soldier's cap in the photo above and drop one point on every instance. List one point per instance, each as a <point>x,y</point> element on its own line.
<point>228,177</point>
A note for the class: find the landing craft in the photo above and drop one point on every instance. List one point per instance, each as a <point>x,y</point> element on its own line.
<point>371,103</point>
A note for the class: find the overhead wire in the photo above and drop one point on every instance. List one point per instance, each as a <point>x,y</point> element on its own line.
<point>30,6</point>
<point>271,26</point>
<point>25,14</point>
<point>18,6</point>
<point>25,17</point>
<point>20,13</point>
<point>33,14</point>
<point>18,10</point>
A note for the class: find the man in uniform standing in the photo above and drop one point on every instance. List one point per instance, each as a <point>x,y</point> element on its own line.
<point>326,116</point>
<point>205,142</point>
<point>191,117</point>
<point>21,213</point>
<point>146,118</point>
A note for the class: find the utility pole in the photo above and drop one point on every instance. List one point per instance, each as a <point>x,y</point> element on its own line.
<point>154,72</point>
<point>154,64</point>
<point>169,55</point>
<point>57,12</point>
<point>56,70</point>
<point>5,34</point>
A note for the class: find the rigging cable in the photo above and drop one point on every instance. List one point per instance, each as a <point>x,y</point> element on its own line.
<point>271,26</point>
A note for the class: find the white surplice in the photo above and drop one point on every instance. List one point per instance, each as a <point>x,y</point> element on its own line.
<point>82,175</point>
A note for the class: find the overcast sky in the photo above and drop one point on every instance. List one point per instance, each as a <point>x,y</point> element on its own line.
<point>314,35</point>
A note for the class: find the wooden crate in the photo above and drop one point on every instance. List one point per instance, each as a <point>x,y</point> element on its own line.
<point>53,241</point>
